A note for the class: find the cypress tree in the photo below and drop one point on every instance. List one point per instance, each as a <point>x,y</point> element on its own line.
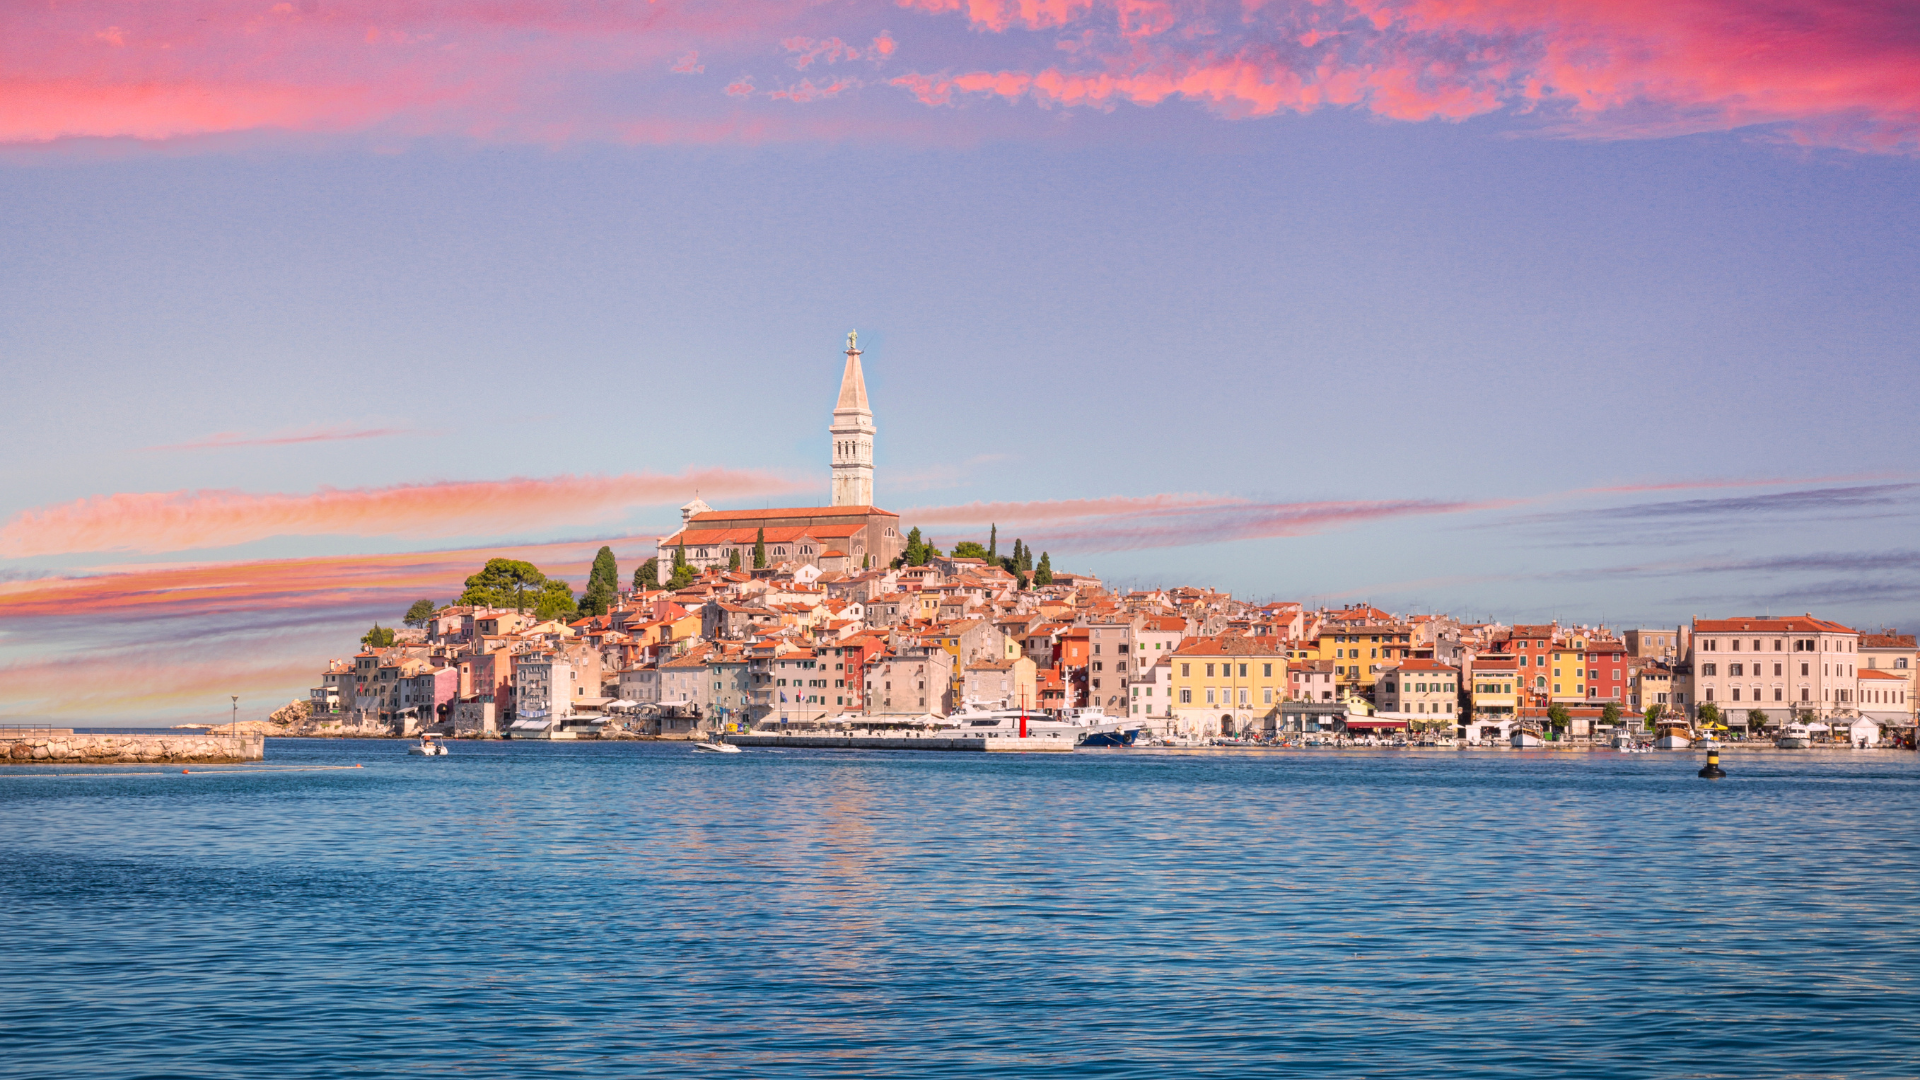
<point>1043,574</point>
<point>993,544</point>
<point>760,550</point>
<point>733,559</point>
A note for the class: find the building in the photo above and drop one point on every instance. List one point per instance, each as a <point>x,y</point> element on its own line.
<point>1656,644</point>
<point>1422,691</point>
<point>1227,686</point>
<point>1778,666</point>
<point>1001,684</point>
<point>1606,671</point>
<point>1893,651</point>
<point>1494,685</point>
<point>911,682</point>
<point>859,534</point>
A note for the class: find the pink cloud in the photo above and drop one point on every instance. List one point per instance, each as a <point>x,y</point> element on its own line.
<point>1823,72</point>
<point>224,439</point>
<point>186,520</point>
<point>806,91</point>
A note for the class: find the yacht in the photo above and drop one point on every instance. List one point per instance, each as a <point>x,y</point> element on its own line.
<point>716,747</point>
<point>1794,737</point>
<point>1076,725</point>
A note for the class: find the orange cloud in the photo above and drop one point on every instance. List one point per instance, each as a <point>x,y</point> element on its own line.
<point>186,520</point>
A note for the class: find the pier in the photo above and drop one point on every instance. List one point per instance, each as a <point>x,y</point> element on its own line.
<point>40,746</point>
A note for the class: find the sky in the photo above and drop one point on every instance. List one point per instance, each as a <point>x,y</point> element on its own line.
<point>1603,312</point>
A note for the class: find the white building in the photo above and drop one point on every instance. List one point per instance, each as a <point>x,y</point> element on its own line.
<point>1778,666</point>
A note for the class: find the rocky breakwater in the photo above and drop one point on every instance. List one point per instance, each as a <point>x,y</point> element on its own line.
<point>53,747</point>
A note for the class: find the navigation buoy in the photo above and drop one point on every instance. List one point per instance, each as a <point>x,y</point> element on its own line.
<point>1712,769</point>
<point>183,772</point>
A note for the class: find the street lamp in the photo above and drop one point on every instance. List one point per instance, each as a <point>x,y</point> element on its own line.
<point>233,728</point>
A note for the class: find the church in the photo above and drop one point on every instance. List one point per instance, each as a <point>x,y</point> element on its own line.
<point>848,535</point>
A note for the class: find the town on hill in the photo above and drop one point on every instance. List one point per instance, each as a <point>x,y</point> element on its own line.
<point>809,618</point>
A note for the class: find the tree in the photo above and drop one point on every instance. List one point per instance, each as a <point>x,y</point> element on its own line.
<point>1611,714</point>
<point>377,638</point>
<point>993,545</point>
<point>683,576</point>
<point>1709,713</point>
<point>760,553</point>
<point>1020,579</point>
<point>1558,716</point>
<point>971,549</point>
<point>1043,574</point>
<point>555,602</point>
<point>1756,718</point>
<point>866,562</point>
<point>1654,713</point>
<point>733,559</point>
<point>648,576</point>
<point>503,583</point>
<point>419,613</point>
<point>679,556</point>
<point>603,584</point>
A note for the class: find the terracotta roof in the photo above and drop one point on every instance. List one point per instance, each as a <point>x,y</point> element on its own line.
<point>1423,665</point>
<point>1876,673</point>
<point>791,511</point>
<point>1790,625</point>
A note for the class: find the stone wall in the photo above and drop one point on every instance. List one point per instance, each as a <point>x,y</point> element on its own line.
<point>59,748</point>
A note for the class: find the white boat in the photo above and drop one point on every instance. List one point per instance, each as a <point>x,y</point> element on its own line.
<point>1794,737</point>
<point>1524,739</point>
<point>716,747</point>
<point>973,722</point>
<point>426,747</point>
<point>1674,735</point>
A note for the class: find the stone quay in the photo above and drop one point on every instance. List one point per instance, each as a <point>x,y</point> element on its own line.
<point>49,746</point>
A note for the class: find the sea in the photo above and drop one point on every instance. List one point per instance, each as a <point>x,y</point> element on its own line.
<point>521,909</point>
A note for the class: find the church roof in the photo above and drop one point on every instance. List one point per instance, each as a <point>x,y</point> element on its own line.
<point>853,384</point>
<point>714,517</point>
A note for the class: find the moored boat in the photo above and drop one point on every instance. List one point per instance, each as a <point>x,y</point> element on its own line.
<point>1527,737</point>
<point>426,747</point>
<point>1673,735</point>
<point>1794,737</point>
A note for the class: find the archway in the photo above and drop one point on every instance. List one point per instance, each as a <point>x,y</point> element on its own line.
<point>1226,725</point>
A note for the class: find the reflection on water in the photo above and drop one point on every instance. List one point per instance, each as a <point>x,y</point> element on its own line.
<point>523,909</point>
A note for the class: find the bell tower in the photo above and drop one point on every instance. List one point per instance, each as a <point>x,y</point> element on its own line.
<point>852,435</point>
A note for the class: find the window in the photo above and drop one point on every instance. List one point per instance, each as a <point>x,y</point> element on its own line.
<point>1803,670</point>
<point>1243,671</point>
<point>1266,671</point>
<point>1710,669</point>
<point>1735,669</point>
<point>1186,696</point>
<point>1209,695</point>
<point>1776,671</point>
<point>1776,693</point>
<point>1209,674</point>
<point>1186,670</point>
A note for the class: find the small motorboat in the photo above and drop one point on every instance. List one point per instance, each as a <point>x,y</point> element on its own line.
<point>716,747</point>
<point>426,747</point>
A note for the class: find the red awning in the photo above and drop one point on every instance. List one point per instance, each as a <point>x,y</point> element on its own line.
<point>1371,722</point>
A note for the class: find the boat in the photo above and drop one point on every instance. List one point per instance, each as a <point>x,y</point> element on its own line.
<point>1077,725</point>
<point>716,747</point>
<point>426,747</point>
<point>1527,737</point>
<point>1673,735</point>
<point>1128,737</point>
<point>1794,737</point>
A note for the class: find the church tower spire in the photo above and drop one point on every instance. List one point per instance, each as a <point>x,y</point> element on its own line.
<point>852,434</point>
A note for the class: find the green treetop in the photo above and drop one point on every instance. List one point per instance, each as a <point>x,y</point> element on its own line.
<point>603,584</point>
<point>419,613</point>
<point>1043,574</point>
<point>377,638</point>
<point>648,576</point>
<point>504,583</point>
<point>760,554</point>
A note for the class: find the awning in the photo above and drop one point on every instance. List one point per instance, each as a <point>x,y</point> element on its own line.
<point>1374,722</point>
<point>528,725</point>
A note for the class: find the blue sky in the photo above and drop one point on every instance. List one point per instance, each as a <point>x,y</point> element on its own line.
<point>1448,364</point>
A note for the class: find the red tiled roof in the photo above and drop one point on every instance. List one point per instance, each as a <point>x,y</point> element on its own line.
<point>1790,625</point>
<point>792,511</point>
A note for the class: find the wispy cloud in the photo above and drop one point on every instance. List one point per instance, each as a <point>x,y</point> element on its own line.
<point>221,440</point>
<point>188,520</point>
<point>1156,521</point>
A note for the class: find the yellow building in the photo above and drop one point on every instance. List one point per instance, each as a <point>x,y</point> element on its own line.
<point>1495,687</point>
<point>1359,651</point>
<point>1227,686</point>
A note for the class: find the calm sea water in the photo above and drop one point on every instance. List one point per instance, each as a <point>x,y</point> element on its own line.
<point>610,910</point>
